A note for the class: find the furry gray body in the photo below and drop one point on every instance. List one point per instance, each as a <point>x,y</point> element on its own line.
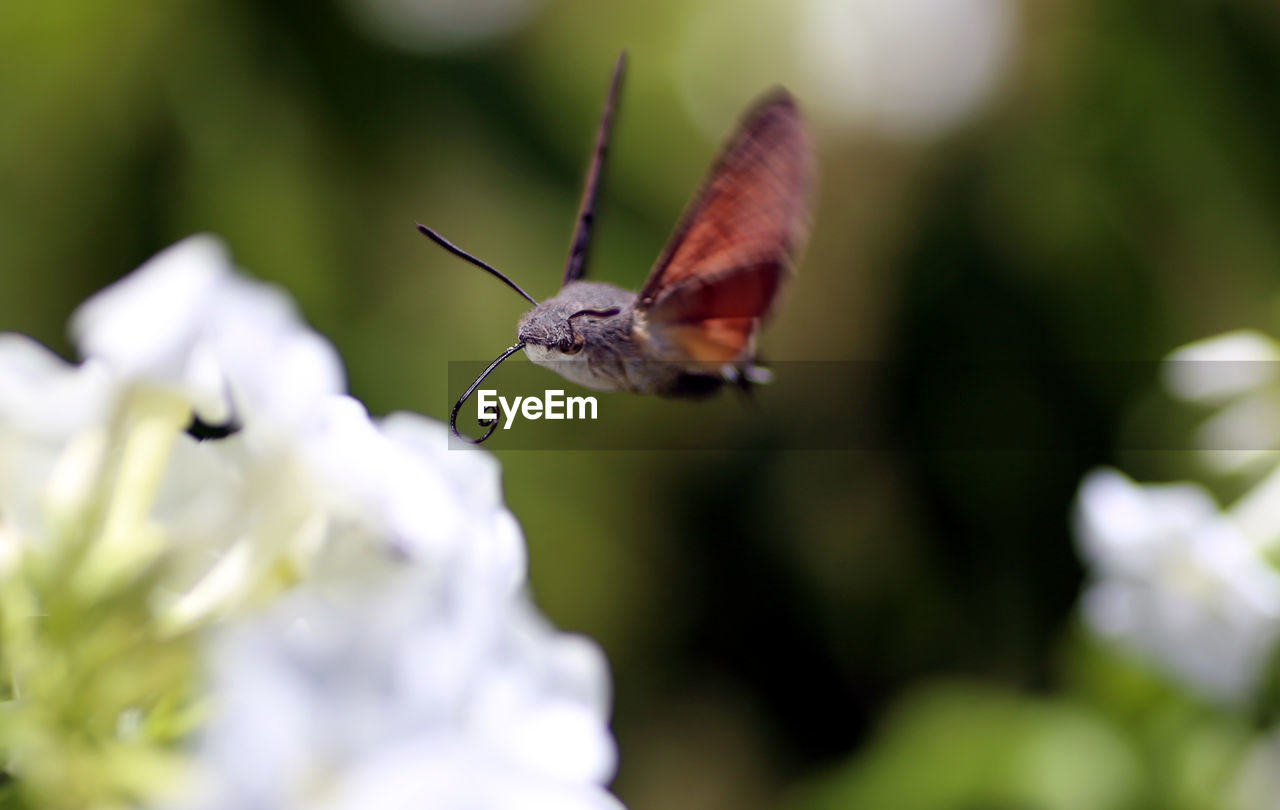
<point>612,352</point>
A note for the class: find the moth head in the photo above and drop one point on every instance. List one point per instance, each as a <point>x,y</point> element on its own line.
<point>545,327</point>
<point>550,331</point>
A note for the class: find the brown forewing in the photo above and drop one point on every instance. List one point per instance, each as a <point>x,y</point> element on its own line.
<point>732,251</point>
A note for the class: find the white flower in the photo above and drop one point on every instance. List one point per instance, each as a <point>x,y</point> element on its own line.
<point>1174,579</point>
<point>309,483</point>
<point>399,477</point>
<point>1237,373</point>
<point>189,320</point>
<point>44,404</point>
<point>405,669</point>
<point>43,396</point>
<point>1218,369</point>
<point>407,692</point>
<point>348,493</point>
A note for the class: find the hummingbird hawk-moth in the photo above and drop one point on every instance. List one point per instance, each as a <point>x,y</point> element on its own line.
<point>692,327</point>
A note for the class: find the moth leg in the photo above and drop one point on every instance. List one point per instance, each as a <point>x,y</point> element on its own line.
<point>744,378</point>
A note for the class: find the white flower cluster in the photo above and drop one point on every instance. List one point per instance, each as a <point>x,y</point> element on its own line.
<point>1173,576</point>
<point>1176,580</point>
<point>360,587</point>
<point>423,696</point>
<point>1236,373</point>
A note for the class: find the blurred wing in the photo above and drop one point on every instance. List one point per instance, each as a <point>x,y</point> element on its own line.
<point>576,265</point>
<point>722,270</point>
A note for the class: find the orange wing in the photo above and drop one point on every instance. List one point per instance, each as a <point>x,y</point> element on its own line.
<point>722,270</point>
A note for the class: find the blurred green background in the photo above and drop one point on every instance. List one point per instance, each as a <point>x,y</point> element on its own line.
<point>1024,185</point>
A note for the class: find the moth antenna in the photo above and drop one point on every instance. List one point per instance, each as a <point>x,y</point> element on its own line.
<point>465,256</point>
<point>576,265</point>
<point>491,424</point>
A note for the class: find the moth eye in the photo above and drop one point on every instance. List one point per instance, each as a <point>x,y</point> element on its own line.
<point>572,346</point>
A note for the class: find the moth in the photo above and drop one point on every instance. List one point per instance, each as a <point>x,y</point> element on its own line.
<point>692,327</point>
